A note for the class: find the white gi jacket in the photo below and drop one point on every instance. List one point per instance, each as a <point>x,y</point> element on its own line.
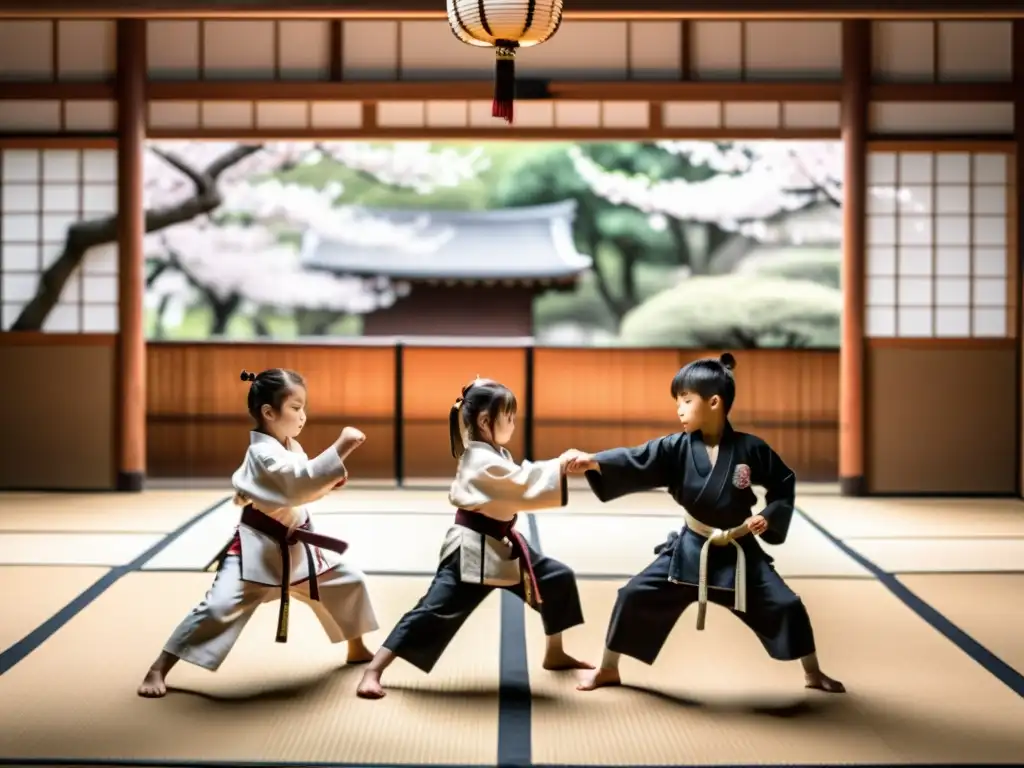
<point>488,481</point>
<point>279,481</point>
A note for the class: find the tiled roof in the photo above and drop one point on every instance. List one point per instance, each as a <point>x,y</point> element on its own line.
<point>530,243</point>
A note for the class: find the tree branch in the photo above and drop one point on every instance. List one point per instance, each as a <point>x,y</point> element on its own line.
<point>815,183</point>
<point>601,280</point>
<point>84,235</point>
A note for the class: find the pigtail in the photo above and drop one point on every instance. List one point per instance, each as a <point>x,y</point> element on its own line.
<point>455,429</point>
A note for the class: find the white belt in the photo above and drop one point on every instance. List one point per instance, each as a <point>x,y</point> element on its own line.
<point>718,538</point>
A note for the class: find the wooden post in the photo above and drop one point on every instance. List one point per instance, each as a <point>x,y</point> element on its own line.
<point>1018,189</point>
<point>856,86</point>
<point>399,427</point>
<point>131,228</point>
<point>528,421</point>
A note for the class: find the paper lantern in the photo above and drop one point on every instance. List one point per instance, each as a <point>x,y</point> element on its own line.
<point>506,26</point>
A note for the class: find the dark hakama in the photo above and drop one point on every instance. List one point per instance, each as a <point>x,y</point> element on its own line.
<point>649,605</point>
<point>423,634</point>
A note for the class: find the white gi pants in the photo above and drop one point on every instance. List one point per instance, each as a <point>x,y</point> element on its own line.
<point>213,627</point>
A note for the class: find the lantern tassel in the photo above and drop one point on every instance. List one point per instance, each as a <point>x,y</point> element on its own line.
<point>504,81</point>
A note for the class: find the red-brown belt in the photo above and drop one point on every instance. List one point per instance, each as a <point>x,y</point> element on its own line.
<point>284,537</point>
<point>501,529</point>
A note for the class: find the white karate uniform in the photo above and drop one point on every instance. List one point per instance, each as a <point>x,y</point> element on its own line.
<point>277,481</point>
<point>490,482</point>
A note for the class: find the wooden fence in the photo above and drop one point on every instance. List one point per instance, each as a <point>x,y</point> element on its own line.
<point>400,396</point>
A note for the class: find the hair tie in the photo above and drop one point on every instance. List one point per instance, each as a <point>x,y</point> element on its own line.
<point>458,402</point>
<point>248,376</point>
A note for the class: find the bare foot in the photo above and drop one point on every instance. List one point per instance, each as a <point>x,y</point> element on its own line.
<point>153,686</point>
<point>599,678</point>
<point>358,653</point>
<point>370,687</point>
<point>561,660</point>
<point>819,681</point>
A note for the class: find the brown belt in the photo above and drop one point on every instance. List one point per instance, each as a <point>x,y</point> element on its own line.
<point>500,529</point>
<point>280,533</point>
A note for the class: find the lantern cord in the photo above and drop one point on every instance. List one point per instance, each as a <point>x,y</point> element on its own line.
<point>504,81</point>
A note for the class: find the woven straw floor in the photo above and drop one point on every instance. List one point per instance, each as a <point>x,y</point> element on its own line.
<point>916,607</point>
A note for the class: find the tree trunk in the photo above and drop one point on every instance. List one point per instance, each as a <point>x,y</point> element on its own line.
<point>631,252</point>
<point>223,310</point>
<point>260,327</point>
<point>684,255</point>
<point>159,331</point>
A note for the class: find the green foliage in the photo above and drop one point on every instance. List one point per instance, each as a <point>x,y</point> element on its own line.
<point>363,189</point>
<point>586,307</point>
<point>548,176</point>
<point>737,311</point>
<point>198,320</point>
<point>813,264</point>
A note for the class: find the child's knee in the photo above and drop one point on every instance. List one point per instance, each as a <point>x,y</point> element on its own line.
<point>344,576</point>
<point>222,611</point>
<point>790,604</point>
<point>561,574</point>
<point>226,605</point>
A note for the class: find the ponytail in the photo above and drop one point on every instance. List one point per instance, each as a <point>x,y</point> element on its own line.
<point>455,429</point>
<point>481,397</point>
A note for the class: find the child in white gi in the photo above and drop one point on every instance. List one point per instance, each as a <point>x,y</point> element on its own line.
<point>483,551</point>
<point>275,544</point>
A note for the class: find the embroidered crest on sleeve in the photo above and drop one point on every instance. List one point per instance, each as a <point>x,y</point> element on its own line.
<point>741,476</point>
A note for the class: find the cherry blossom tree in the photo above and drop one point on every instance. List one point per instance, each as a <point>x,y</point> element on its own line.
<point>740,190</point>
<point>217,218</point>
<point>752,181</point>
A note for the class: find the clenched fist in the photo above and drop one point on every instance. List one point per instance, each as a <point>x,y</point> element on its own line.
<point>352,435</point>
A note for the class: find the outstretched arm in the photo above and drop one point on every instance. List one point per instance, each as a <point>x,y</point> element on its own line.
<point>529,486</point>
<point>621,471</point>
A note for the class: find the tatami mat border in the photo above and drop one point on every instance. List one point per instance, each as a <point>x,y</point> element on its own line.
<point>35,638</point>
<point>992,664</point>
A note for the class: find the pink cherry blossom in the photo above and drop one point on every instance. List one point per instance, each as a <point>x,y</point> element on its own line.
<point>755,181</point>
<point>247,246</point>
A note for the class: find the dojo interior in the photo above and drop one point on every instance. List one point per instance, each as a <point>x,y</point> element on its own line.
<point>908,542</point>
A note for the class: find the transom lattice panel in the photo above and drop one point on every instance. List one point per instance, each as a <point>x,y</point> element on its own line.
<point>939,233</point>
<point>44,194</point>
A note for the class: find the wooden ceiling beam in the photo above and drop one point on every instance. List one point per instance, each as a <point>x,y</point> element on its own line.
<point>578,9</point>
<point>651,91</point>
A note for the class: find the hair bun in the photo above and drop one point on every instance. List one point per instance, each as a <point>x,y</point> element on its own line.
<point>728,360</point>
<point>248,376</point>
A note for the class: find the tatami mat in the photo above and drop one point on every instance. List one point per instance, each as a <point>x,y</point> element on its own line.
<point>942,555</point>
<point>606,545</point>
<point>988,607</point>
<point>148,512</point>
<point>435,501</point>
<point>201,542</point>
<point>110,549</point>
<point>29,595</point>
<point>392,544</point>
<point>715,697</point>
<point>353,500</point>
<point>269,702</point>
<point>911,518</point>
<point>649,503</point>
